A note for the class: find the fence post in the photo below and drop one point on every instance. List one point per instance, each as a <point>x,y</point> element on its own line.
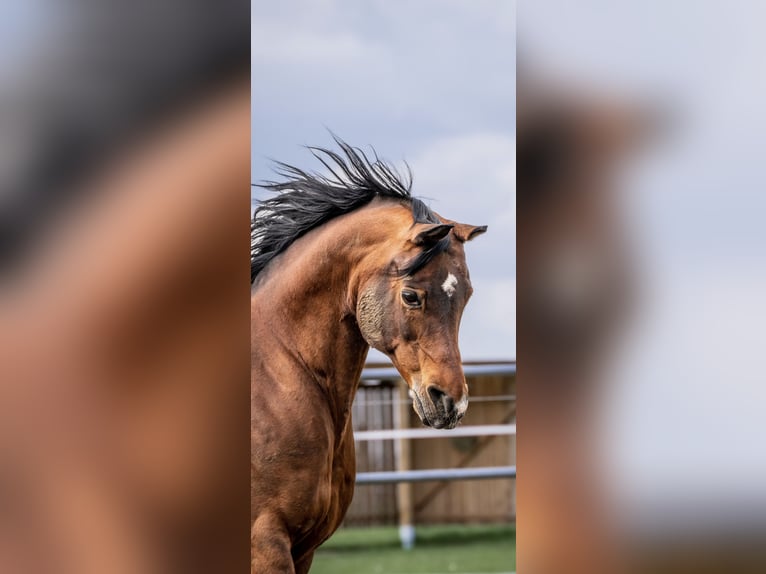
<point>404,497</point>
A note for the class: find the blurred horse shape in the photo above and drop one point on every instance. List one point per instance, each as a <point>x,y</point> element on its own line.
<point>575,292</point>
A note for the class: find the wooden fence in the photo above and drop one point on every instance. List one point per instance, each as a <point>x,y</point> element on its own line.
<point>377,407</point>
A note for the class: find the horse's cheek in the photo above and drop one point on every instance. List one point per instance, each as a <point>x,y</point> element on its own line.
<point>369,316</point>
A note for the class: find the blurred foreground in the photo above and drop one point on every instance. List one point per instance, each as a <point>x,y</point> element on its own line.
<point>641,250</point>
<point>124,193</point>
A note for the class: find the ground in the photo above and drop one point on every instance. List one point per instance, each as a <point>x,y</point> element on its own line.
<point>438,550</point>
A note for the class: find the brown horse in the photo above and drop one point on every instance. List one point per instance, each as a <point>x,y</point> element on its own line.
<point>341,263</point>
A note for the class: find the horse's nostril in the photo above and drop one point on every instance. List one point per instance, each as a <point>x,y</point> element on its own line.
<point>441,399</point>
<point>436,395</point>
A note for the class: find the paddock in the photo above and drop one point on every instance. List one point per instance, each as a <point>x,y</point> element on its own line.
<point>445,494</point>
<point>410,475</point>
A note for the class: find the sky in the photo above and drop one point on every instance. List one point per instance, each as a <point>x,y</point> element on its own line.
<point>431,82</point>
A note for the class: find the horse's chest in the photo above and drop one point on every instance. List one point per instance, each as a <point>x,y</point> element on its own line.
<point>303,472</point>
<point>341,482</point>
<point>337,491</point>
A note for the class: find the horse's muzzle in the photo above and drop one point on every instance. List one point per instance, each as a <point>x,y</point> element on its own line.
<point>438,410</point>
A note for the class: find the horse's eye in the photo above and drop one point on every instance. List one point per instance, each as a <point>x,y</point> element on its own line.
<point>411,298</point>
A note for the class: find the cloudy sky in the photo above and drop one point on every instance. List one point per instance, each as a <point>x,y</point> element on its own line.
<point>431,82</point>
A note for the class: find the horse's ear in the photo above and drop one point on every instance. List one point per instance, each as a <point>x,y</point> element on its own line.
<point>431,233</point>
<point>464,232</point>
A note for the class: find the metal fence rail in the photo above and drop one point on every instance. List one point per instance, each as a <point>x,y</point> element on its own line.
<point>390,373</point>
<point>483,472</point>
<point>471,430</point>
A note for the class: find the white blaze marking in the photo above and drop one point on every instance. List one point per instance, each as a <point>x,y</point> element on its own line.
<point>462,404</point>
<point>449,285</point>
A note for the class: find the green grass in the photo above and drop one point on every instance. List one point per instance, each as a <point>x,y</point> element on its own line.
<point>438,550</point>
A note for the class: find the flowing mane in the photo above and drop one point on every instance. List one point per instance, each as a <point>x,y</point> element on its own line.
<point>305,200</point>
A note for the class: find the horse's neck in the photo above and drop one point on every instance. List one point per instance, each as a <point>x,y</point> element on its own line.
<point>307,302</point>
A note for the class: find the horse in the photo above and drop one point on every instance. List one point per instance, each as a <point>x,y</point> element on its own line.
<point>340,263</point>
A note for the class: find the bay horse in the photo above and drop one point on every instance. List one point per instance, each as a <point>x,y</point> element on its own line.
<point>340,263</point>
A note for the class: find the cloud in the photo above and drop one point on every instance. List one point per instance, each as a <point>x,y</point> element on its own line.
<point>277,43</point>
<point>471,178</point>
<point>434,65</point>
<point>488,329</point>
<point>485,160</point>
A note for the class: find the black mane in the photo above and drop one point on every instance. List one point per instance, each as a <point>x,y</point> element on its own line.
<point>306,200</point>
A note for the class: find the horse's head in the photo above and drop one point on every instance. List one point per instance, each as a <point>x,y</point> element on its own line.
<point>410,309</point>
